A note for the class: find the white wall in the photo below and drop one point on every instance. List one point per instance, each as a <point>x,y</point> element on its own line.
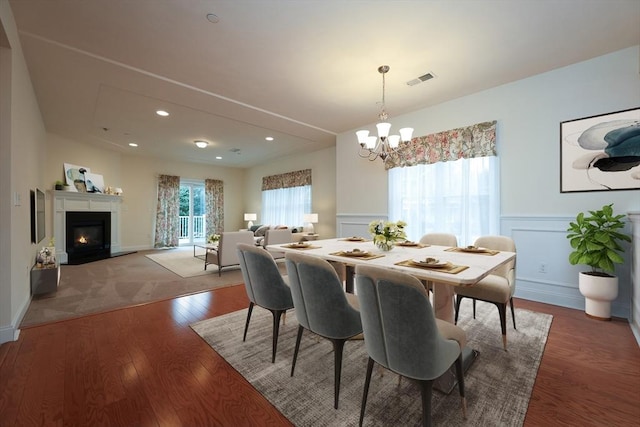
<point>323,177</point>
<point>22,150</point>
<point>528,113</point>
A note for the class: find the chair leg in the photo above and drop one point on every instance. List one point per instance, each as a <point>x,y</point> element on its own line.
<point>457,310</point>
<point>365,393</point>
<point>513,314</point>
<point>338,346</point>
<point>246,325</point>
<point>295,353</point>
<point>474,308</point>
<point>426,388</point>
<point>460,378</point>
<point>277,314</point>
<point>502,310</point>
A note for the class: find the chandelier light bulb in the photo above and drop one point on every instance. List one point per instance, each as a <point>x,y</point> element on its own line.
<point>405,134</point>
<point>362,136</point>
<point>394,141</point>
<point>383,129</point>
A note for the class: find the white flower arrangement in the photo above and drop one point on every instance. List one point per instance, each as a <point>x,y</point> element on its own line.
<point>386,233</point>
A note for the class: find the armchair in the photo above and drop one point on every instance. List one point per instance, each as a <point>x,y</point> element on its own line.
<point>226,255</point>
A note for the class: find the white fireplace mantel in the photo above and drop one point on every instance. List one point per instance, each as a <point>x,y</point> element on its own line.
<point>64,201</point>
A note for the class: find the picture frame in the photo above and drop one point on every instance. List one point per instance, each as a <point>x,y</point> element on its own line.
<point>75,177</point>
<point>600,153</point>
<point>94,182</point>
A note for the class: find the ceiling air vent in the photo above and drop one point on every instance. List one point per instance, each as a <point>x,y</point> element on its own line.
<point>422,78</point>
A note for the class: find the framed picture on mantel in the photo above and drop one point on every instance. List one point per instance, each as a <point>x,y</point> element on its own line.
<point>601,153</point>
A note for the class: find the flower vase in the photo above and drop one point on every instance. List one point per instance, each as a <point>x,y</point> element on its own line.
<point>385,245</point>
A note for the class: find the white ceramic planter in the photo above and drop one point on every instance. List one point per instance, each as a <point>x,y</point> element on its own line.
<point>598,292</point>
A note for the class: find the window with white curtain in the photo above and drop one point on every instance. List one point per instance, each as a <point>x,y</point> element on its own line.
<point>286,206</point>
<point>460,197</point>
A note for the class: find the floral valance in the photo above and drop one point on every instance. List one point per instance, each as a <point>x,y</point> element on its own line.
<point>286,180</point>
<point>477,140</point>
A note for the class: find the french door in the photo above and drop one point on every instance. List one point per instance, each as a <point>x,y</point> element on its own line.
<point>193,219</point>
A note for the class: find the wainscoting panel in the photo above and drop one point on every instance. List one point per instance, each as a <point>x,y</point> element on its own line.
<point>348,225</point>
<point>543,272</point>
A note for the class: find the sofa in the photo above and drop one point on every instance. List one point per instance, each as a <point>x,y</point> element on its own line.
<point>259,232</point>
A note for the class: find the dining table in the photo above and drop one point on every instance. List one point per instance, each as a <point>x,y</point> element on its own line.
<point>443,267</point>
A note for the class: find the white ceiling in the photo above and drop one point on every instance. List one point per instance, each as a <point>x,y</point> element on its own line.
<point>301,71</point>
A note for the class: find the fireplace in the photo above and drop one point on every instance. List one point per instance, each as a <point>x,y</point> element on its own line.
<point>88,236</point>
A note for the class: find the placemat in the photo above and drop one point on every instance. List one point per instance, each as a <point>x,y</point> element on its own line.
<point>416,246</point>
<point>370,256</point>
<point>485,252</point>
<point>301,248</point>
<point>452,269</point>
<point>351,239</point>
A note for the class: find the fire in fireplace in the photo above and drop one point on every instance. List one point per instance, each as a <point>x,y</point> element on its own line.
<point>88,236</point>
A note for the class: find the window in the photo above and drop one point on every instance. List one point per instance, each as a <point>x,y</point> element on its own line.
<point>286,206</point>
<point>286,198</point>
<point>459,197</point>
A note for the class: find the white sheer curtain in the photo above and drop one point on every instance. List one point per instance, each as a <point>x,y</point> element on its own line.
<point>286,206</point>
<point>461,197</point>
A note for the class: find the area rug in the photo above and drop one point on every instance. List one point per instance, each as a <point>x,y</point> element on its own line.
<point>182,262</point>
<point>498,384</point>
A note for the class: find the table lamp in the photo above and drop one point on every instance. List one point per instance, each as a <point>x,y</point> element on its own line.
<point>310,219</point>
<point>250,217</point>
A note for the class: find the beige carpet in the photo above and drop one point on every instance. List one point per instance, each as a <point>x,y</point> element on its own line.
<point>182,262</point>
<point>119,282</point>
<point>498,385</point>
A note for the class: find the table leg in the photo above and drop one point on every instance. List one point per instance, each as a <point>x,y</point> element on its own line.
<point>443,301</point>
<point>443,307</point>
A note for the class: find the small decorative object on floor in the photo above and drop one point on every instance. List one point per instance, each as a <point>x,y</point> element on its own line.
<point>46,258</point>
<point>386,233</point>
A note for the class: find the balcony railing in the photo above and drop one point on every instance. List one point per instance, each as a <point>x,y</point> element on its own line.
<point>199,227</point>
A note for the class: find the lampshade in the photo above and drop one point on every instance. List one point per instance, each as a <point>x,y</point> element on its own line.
<point>312,218</point>
<point>250,217</point>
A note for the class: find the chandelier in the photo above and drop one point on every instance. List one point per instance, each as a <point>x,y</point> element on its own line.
<point>372,146</point>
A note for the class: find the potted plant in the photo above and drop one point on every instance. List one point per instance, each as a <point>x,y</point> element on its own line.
<point>596,242</point>
<point>59,184</point>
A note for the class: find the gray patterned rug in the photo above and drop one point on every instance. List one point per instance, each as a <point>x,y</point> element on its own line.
<point>498,384</point>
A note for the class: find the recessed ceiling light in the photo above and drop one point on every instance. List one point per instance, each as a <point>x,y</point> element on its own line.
<point>162,113</point>
<point>201,144</point>
<point>218,158</point>
<point>269,138</point>
<point>133,144</point>
<point>213,18</point>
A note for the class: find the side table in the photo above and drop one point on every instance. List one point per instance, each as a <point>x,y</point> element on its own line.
<point>44,279</point>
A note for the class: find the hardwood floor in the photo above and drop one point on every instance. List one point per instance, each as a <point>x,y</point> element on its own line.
<point>144,366</point>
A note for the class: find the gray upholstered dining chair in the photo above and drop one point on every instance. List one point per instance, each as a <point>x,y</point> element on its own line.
<point>402,334</point>
<point>497,288</point>
<point>322,307</point>
<point>225,255</point>
<point>265,287</point>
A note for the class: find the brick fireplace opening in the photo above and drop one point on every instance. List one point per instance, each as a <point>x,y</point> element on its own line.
<point>88,236</point>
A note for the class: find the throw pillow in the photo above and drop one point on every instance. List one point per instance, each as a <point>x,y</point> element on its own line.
<point>254,228</point>
<point>260,232</point>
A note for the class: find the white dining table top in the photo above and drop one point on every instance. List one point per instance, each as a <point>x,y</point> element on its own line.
<point>479,264</point>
